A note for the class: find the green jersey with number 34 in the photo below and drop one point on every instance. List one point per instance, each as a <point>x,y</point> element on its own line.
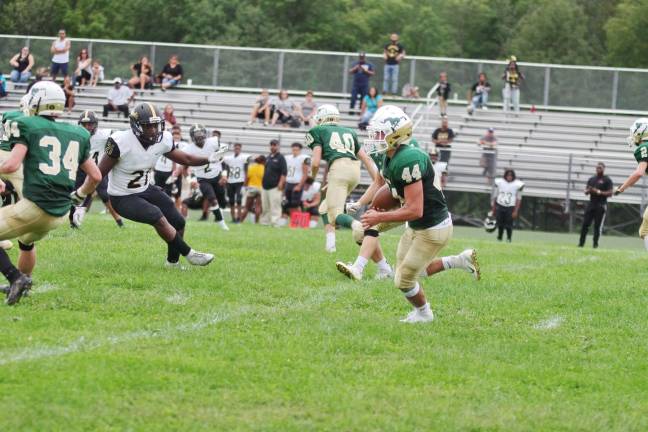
<point>409,165</point>
<point>641,153</point>
<point>336,142</point>
<point>6,128</point>
<point>54,153</point>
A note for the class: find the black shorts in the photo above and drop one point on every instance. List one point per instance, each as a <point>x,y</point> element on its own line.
<point>160,178</point>
<point>261,114</point>
<point>148,207</point>
<point>193,203</point>
<point>293,198</point>
<point>312,210</point>
<point>211,189</point>
<point>234,193</point>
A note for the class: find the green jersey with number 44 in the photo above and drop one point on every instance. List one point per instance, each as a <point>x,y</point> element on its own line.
<point>336,142</point>
<point>6,128</point>
<point>54,153</point>
<point>409,165</point>
<point>641,153</point>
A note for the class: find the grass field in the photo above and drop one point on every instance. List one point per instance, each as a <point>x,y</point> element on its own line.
<point>271,337</point>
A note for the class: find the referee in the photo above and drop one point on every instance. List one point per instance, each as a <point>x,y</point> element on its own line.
<point>599,188</point>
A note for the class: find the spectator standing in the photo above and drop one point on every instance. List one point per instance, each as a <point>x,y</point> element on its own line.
<point>512,78</point>
<point>142,73</point>
<point>285,111</point>
<point>489,145</point>
<point>370,104</point>
<point>119,96</point>
<point>274,180</point>
<point>311,198</point>
<point>307,109</point>
<point>506,204</point>
<point>68,89</point>
<point>22,64</point>
<point>83,71</point>
<point>97,73</point>
<point>442,138</point>
<point>478,95</point>
<point>171,73</point>
<point>235,165</point>
<point>393,54</point>
<point>410,91</point>
<point>254,185</point>
<point>599,188</point>
<point>262,109</point>
<point>61,55</point>
<point>169,116</point>
<point>297,164</point>
<point>443,93</point>
<point>362,72</point>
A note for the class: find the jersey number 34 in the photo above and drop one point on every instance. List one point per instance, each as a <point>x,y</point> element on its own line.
<point>70,159</point>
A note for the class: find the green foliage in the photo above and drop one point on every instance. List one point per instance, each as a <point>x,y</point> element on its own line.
<point>627,43</point>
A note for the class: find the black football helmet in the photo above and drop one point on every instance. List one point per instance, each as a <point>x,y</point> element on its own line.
<point>490,223</point>
<point>147,124</point>
<point>88,120</point>
<point>198,134</point>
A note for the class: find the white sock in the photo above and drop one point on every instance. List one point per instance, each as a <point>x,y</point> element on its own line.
<point>330,239</point>
<point>646,242</point>
<point>313,224</point>
<point>360,263</point>
<point>425,308</point>
<point>450,262</point>
<point>384,265</point>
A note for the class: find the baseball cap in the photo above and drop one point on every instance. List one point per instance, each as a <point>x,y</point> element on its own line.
<point>490,129</point>
<point>117,80</point>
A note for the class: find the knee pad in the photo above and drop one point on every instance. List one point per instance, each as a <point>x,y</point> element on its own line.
<point>24,247</point>
<point>358,233</point>
<point>371,232</point>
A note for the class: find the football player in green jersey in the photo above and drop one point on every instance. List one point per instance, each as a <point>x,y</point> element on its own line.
<point>638,140</point>
<point>339,147</point>
<point>51,153</point>
<point>409,173</point>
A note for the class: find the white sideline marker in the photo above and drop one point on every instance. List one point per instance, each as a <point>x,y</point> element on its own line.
<point>550,323</point>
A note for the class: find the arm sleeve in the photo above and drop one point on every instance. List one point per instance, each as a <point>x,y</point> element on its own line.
<point>311,140</point>
<point>84,151</point>
<point>435,134</point>
<point>112,149</point>
<point>17,132</point>
<point>284,166</point>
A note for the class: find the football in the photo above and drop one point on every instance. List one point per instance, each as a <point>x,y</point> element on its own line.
<point>384,200</point>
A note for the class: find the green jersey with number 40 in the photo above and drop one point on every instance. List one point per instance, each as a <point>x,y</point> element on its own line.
<point>54,153</point>
<point>6,125</point>
<point>409,165</point>
<point>336,142</point>
<point>641,153</point>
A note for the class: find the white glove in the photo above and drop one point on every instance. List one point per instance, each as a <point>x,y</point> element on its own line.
<point>77,197</point>
<point>352,207</point>
<point>172,179</point>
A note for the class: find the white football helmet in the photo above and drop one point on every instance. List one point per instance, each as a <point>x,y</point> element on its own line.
<point>46,98</point>
<point>388,128</point>
<point>327,114</point>
<point>638,132</point>
<point>24,104</point>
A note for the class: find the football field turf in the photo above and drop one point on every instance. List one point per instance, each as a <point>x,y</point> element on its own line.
<point>271,337</point>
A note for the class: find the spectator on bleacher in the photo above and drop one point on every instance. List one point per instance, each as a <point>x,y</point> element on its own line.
<point>442,138</point>
<point>142,74</point>
<point>22,63</point>
<point>512,78</point>
<point>41,74</point>
<point>61,55</point>
<point>443,93</point>
<point>68,89</point>
<point>362,72</point>
<point>439,167</point>
<point>119,96</point>
<point>393,54</point>
<point>216,133</point>
<point>478,94</point>
<point>488,144</point>
<point>285,111</point>
<point>169,116</point>
<point>310,200</point>
<point>97,73</point>
<point>3,86</point>
<point>83,71</point>
<point>254,184</point>
<point>171,73</point>
<point>410,91</point>
<point>262,109</point>
<point>307,109</point>
<point>370,104</point>
<point>599,188</point>
<point>274,181</point>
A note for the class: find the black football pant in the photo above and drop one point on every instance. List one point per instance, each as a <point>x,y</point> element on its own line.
<point>504,217</point>
<point>592,213</point>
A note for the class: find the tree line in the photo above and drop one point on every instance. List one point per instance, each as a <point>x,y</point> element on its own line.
<point>591,32</point>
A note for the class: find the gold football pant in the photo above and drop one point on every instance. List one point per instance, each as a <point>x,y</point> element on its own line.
<point>643,229</point>
<point>343,177</point>
<point>16,178</point>
<point>27,222</point>
<point>416,250</point>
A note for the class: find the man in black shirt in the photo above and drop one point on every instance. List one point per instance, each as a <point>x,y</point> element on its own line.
<point>393,53</point>
<point>599,188</point>
<point>274,180</point>
<point>442,138</point>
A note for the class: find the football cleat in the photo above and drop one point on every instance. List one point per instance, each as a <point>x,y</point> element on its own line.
<point>417,316</point>
<point>169,264</point>
<point>349,270</point>
<point>6,244</point>
<point>199,258</point>
<point>19,287</point>
<point>383,274</point>
<point>4,289</point>
<point>470,263</point>
<point>223,225</point>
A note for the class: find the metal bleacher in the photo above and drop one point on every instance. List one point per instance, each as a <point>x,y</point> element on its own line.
<point>554,152</point>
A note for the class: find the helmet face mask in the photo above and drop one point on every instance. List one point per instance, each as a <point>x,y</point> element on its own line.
<point>389,128</point>
<point>146,124</point>
<point>89,121</point>
<point>198,134</point>
<point>327,114</point>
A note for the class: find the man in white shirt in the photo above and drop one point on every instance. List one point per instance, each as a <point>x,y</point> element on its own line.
<point>311,198</point>
<point>236,166</point>
<point>118,98</point>
<point>506,202</point>
<point>297,164</point>
<point>61,55</point>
